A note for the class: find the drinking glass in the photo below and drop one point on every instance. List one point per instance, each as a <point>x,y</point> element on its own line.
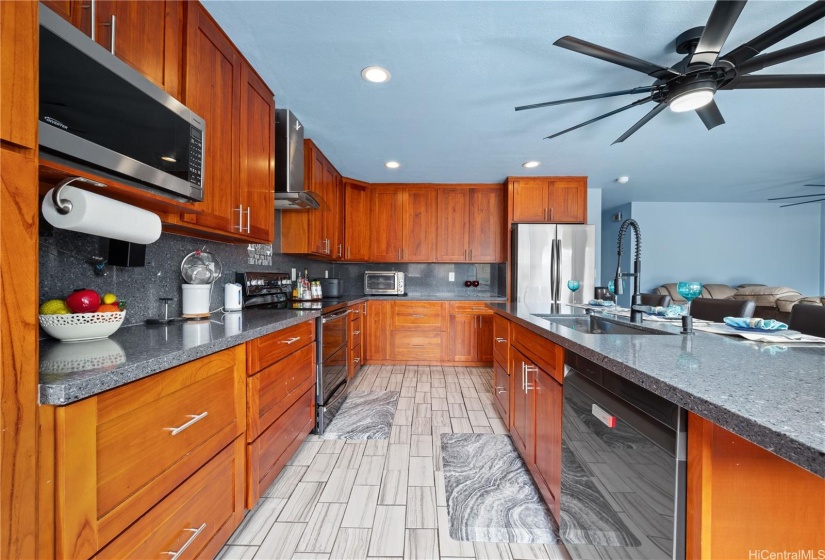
<point>689,291</point>
<point>573,285</point>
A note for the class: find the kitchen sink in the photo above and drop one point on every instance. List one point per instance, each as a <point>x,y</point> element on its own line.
<point>594,324</point>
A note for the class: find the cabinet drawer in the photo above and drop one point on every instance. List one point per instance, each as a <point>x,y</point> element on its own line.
<point>268,454</point>
<point>179,418</point>
<point>267,350</point>
<point>274,389</point>
<point>355,333</point>
<point>355,361</point>
<point>410,346</point>
<point>547,355</point>
<point>195,519</point>
<point>501,391</point>
<point>470,308</point>
<point>419,315</point>
<point>501,339</point>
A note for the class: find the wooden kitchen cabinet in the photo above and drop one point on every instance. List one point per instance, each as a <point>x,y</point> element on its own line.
<point>548,407</point>
<point>147,34</point>
<point>522,428</point>
<point>184,419</point>
<point>280,402</point>
<point>378,313</point>
<point>403,224</point>
<point>19,73</point>
<point>471,332</point>
<point>548,200</point>
<point>355,353</point>
<point>316,232</point>
<point>470,224</point>
<point>356,221</point>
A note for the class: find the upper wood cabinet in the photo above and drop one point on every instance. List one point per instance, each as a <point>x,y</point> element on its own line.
<point>470,224</point>
<point>239,142</point>
<point>548,199</point>
<point>403,224</point>
<point>147,35</point>
<point>316,232</point>
<point>356,221</point>
<point>18,74</point>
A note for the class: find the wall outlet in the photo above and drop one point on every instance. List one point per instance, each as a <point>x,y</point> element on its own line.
<point>451,277</point>
<point>326,274</point>
<point>294,275</point>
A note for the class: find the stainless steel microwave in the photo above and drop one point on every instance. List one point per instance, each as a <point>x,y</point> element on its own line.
<point>384,283</point>
<point>97,112</point>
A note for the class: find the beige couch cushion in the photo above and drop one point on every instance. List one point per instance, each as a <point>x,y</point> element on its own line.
<point>718,291</point>
<point>764,295</point>
<point>785,303</point>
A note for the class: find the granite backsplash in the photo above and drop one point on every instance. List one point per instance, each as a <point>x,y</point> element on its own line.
<point>65,256</point>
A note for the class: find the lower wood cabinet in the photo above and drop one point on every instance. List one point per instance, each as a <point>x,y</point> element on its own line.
<point>501,391</point>
<point>355,353</point>
<point>280,402</point>
<point>471,332</point>
<point>549,403</point>
<point>119,454</point>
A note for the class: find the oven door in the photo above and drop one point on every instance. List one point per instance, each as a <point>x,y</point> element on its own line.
<point>332,356</point>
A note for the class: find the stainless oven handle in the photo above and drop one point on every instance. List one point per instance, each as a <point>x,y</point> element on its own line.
<point>333,316</point>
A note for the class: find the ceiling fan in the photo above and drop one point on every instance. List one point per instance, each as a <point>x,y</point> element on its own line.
<point>691,83</point>
<point>821,195</point>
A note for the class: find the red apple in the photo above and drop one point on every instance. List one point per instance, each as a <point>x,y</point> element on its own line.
<point>83,301</point>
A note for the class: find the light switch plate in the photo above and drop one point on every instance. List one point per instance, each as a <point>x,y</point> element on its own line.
<point>452,277</point>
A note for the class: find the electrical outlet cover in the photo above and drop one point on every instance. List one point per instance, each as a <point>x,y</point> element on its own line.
<point>452,277</point>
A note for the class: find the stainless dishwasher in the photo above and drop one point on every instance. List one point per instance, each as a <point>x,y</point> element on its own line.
<point>331,367</point>
<point>624,468</point>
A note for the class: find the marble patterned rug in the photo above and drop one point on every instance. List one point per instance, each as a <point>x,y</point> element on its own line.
<point>364,415</point>
<point>490,494</point>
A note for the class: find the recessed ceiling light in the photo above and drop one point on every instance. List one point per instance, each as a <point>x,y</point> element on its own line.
<point>392,164</point>
<point>531,164</point>
<point>375,74</point>
<point>623,179</point>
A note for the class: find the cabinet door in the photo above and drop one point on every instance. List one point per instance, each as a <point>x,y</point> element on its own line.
<point>331,215</point>
<point>18,73</point>
<point>314,173</point>
<point>146,35</point>
<point>501,392</point>
<point>213,76</point>
<point>386,224</point>
<point>463,338</point>
<point>530,201</point>
<point>548,394</point>
<point>486,231</point>
<point>521,414</point>
<point>453,233</point>
<point>568,201</point>
<point>356,222</point>
<point>484,338</point>
<point>376,322</point>
<point>419,225</point>
<point>257,169</point>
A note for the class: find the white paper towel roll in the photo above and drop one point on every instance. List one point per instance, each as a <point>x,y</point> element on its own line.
<point>106,217</point>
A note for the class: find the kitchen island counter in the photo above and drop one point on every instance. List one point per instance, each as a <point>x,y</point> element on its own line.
<point>771,395</point>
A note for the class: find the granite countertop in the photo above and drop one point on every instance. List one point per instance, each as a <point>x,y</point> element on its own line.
<point>772,395</point>
<point>70,371</point>
<point>73,371</point>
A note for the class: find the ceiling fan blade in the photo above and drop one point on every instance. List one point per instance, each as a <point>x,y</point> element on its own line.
<point>626,107</point>
<point>799,196</point>
<point>806,202</point>
<point>609,55</point>
<point>641,89</point>
<point>813,185</point>
<point>643,121</point>
<point>799,20</point>
<point>777,81</point>
<point>721,21</point>
<point>782,55</point>
<point>710,115</point>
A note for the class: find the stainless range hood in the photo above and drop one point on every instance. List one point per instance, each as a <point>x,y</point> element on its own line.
<point>289,164</point>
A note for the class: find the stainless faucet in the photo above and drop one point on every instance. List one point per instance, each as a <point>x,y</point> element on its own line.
<point>636,300</point>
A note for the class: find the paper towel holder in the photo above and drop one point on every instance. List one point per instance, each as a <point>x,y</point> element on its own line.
<point>64,205</point>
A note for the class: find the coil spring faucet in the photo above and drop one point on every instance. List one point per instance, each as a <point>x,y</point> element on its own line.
<point>636,299</point>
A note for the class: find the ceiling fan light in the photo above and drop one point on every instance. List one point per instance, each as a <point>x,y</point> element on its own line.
<point>691,100</point>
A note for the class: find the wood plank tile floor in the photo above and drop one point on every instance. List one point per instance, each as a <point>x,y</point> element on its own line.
<point>351,499</point>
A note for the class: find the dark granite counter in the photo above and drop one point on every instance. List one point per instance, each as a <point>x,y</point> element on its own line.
<point>772,395</point>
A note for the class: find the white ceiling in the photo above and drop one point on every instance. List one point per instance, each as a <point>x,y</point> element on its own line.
<point>459,68</point>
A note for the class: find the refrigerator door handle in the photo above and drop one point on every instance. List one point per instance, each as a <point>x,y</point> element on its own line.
<point>553,273</point>
<point>558,270</point>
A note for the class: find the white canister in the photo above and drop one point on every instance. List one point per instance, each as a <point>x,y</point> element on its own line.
<point>232,299</point>
<point>196,299</point>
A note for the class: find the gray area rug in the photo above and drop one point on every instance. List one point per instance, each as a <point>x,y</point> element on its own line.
<point>364,415</point>
<point>490,493</point>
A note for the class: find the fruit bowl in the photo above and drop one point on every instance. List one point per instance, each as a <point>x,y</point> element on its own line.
<point>81,326</point>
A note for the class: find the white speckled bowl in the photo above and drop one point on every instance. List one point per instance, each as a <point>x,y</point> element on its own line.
<point>81,326</point>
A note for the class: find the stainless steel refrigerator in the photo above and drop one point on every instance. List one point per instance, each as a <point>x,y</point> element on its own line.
<point>545,257</point>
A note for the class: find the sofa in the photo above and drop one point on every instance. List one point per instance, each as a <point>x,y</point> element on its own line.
<point>772,302</point>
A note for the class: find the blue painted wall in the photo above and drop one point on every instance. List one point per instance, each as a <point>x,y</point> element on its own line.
<point>729,243</point>
<point>594,217</point>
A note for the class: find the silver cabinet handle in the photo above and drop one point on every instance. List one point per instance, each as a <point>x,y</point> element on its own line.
<point>529,369</point>
<point>356,332</point>
<point>355,311</point>
<point>240,219</point>
<point>112,25</point>
<point>194,418</point>
<point>248,219</point>
<point>290,340</point>
<point>340,250</point>
<point>523,380</point>
<point>417,316</point>
<point>551,214</point>
<point>545,215</point>
<point>195,532</point>
<point>500,340</point>
<point>348,251</point>
<point>399,254</point>
<point>94,20</point>
<point>500,390</point>
<point>356,360</point>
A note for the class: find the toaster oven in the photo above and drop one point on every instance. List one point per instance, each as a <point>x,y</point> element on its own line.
<point>385,283</point>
